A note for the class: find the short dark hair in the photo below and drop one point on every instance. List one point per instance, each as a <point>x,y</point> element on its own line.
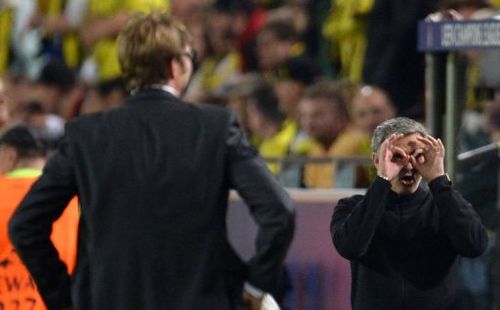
<point>299,69</point>
<point>56,73</point>
<point>264,99</point>
<point>283,30</point>
<point>25,140</point>
<point>327,90</point>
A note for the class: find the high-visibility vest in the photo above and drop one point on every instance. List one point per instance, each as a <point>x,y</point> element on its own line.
<point>17,289</point>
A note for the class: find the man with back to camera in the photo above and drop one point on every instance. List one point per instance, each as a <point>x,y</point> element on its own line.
<point>153,177</point>
<point>404,239</point>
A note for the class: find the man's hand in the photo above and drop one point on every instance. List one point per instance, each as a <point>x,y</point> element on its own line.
<point>250,302</point>
<point>429,163</point>
<point>391,159</point>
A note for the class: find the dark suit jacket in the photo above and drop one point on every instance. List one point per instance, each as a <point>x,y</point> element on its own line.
<point>153,178</point>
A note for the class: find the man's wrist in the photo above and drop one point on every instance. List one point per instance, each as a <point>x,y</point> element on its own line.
<point>439,175</point>
<point>443,179</point>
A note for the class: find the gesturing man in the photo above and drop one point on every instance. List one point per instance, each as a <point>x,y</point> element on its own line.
<point>152,177</point>
<point>403,238</point>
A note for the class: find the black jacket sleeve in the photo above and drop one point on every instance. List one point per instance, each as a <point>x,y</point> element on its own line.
<point>356,219</point>
<point>269,204</point>
<point>458,219</point>
<point>31,225</point>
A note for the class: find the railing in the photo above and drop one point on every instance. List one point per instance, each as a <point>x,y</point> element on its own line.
<point>290,168</point>
<point>487,158</point>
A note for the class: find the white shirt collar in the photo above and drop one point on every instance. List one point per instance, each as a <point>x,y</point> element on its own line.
<point>166,88</point>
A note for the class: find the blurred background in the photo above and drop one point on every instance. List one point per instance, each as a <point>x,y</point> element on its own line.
<point>308,80</point>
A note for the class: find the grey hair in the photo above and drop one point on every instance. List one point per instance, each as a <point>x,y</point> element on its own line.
<point>402,125</point>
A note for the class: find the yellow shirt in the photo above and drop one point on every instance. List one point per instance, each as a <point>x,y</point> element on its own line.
<point>277,146</point>
<point>105,53</point>
<point>348,143</point>
<point>6,18</point>
<point>345,27</point>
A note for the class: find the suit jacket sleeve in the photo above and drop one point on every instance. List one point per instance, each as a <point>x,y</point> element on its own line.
<point>356,219</point>
<point>269,204</point>
<point>31,225</point>
<point>459,221</point>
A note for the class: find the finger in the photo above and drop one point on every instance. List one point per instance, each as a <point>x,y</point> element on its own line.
<point>431,146</point>
<point>434,140</point>
<point>421,159</point>
<point>425,140</point>
<point>400,151</point>
<point>395,136</point>
<point>441,146</point>
<point>399,156</point>
<point>414,162</point>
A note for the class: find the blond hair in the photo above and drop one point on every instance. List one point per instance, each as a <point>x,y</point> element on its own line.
<point>147,45</point>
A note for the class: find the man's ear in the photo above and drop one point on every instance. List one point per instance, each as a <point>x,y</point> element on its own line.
<point>173,69</point>
<point>375,159</point>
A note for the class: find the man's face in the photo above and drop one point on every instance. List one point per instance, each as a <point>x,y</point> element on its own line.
<point>8,158</point>
<point>319,118</point>
<point>370,110</point>
<point>271,52</point>
<point>185,70</point>
<point>409,179</point>
<point>289,93</point>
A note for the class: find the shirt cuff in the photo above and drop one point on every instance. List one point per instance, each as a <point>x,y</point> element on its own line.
<point>252,290</point>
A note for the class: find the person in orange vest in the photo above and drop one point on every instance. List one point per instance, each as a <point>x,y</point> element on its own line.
<point>22,157</point>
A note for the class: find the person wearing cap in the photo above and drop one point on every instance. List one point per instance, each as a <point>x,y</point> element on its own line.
<point>153,178</point>
<point>22,156</point>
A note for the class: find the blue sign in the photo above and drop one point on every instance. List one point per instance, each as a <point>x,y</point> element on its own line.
<point>458,35</point>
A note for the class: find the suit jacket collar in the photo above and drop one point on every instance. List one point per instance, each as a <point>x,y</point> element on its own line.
<point>152,93</point>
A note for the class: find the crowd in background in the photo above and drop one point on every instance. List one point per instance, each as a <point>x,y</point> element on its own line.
<point>305,78</point>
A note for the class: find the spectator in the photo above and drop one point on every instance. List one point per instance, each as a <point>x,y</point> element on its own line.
<point>292,79</point>
<point>267,122</point>
<point>104,21</point>
<point>370,107</point>
<point>59,21</point>
<point>222,65</point>
<point>276,44</point>
<point>345,28</point>
<point>392,61</point>
<point>54,89</point>
<point>324,117</point>
<point>6,20</point>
